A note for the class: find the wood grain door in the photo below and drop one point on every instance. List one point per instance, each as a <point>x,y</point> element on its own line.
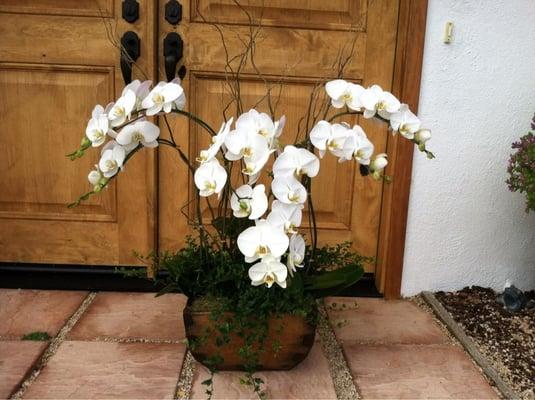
<point>299,44</point>
<point>56,63</point>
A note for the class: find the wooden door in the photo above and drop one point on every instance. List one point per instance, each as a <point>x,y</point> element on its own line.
<point>56,62</point>
<point>300,43</point>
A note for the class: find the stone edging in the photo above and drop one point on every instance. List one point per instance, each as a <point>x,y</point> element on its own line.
<point>469,345</point>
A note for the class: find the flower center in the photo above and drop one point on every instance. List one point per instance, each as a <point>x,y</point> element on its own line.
<point>381,105</point>
<point>111,164</point>
<point>359,154</point>
<point>263,132</point>
<point>158,98</point>
<point>262,251</point>
<point>293,196</point>
<point>290,228</point>
<point>269,279</point>
<point>99,134</point>
<point>245,206</point>
<point>332,145</point>
<point>209,186</point>
<point>203,156</point>
<point>247,152</point>
<point>346,97</point>
<point>249,168</point>
<point>119,112</point>
<point>138,137</point>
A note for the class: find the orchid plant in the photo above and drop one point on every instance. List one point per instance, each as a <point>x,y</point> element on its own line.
<point>274,246</point>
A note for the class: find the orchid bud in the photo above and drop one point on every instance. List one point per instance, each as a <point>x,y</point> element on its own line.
<point>379,162</point>
<point>85,143</point>
<point>422,136</point>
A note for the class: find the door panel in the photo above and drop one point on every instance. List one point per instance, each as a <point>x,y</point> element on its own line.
<point>347,205</point>
<point>57,62</point>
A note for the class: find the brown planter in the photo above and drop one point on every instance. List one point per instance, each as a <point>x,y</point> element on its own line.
<point>295,339</point>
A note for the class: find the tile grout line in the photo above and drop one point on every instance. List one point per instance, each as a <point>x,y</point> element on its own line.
<point>52,347</point>
<point>344,385</point>
<point>185,379</point>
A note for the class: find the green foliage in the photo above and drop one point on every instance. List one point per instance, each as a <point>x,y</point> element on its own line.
<point>37,336</point>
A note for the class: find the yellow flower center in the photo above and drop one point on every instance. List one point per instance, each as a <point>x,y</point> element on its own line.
<point>111,164</point>
<point>158,98</point>
<point>138,137</point>
<point>269,279</point>
<point>119,112</point>
<point>209,186</point>
<point>293,197</point>
<point>247,152</point>
<point>332,145</point>
<point>262,250</point>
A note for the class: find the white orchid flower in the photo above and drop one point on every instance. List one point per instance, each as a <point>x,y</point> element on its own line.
<point>217,142</point>
<point>285,216</point>
<point>261,240</point>
<point>252,122</point>
<point>296,162</point>
<point>325,136</point>
<point>141,90</point>
<point>279,126</point>
<point>405,122</point>
<point>249,202</point>
<point>288,190</point>
<point>210,178</point>
<point>378,164</point>
<point>254,164</point>
<point>376,100</point>
<point>120,111</point>
<point>422,136</point>
<point>112,159</point>
<point>96,178</point>
<point>343,93</point>
<point>162,97</point>
<point>358,146</point>
<point>143,132</point>
<point>97,127</point>
<point>296,254</point>
<point>241,143</point>
<point>180,102</point>
<point>268,271</point>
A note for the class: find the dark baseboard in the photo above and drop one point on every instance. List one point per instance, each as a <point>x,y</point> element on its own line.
<point>82,277</point>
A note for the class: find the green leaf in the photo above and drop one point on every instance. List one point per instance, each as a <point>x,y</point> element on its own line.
<point>331,282</point>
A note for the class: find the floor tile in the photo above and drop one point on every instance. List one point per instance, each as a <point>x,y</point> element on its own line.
<point>108,370</point>
<point>415,372</point>
<point>380,321</point>
<point>16,359</point>
<point>26,311</point>
<point>132,315</point>
<point>309,380</point>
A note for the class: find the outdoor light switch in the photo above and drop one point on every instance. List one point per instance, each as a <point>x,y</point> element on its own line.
<point>448,32</point>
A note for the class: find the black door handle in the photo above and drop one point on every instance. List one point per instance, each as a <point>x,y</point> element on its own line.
<point>173,50</point>
<point>130,50</point>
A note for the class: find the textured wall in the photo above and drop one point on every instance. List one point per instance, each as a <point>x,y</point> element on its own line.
<point>477,96</point>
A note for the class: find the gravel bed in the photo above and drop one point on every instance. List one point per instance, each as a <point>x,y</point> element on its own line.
<point>506,339</point>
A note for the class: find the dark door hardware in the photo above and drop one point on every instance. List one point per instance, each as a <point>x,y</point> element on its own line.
<point>130,50</point>
<point>173,12</point>
<point>173,49</point>
<point>130,10</point>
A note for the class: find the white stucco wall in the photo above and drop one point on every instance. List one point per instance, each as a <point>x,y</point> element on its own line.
<point>477,96</point>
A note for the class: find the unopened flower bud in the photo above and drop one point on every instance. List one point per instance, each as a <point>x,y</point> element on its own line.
<point>378,163</point>
<point>422,136</point>
<point>85,143</point>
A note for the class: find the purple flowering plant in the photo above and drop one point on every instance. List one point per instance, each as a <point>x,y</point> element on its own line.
<point>521,167</point>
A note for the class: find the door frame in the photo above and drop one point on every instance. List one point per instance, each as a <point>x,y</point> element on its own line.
<point>395,201</point>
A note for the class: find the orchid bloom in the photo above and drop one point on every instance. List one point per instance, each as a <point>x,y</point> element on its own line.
<point>241,143</point>
<point>358,146</point>
<point>261,240</point>
<point>120,111</point>
<point>422,136</point>
<point>378,164</point>
<point>296,254</point>
<point>325,136</point>
<point>96,178</point>
<point>112,159</point>
<point>162,97</point>
<point>249,202</point>
<point>141,90</point>
<point>180,102</point>
<point>268,271</point>
<point>288,190</point>
<point>296,162</point>
<point>405,122</point>
<point>279,126</point>
<point>217,142</point>
<point>143,132</point>
<point>210,178</point>
<point>376,100</point>
<point>343,93</point>
<point>285,216</point>
<point>97,127</point>
<point>253,122</point>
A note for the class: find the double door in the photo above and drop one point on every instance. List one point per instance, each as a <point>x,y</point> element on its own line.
<point>58,58</point>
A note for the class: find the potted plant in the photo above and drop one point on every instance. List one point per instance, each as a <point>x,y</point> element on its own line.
<point>521,168</point>
<point>251,279</point>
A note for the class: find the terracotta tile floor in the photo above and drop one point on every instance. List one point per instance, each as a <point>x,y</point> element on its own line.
<point>129,346</point>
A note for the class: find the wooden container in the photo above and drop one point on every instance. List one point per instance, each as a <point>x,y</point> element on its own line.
<point>291,334</point>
